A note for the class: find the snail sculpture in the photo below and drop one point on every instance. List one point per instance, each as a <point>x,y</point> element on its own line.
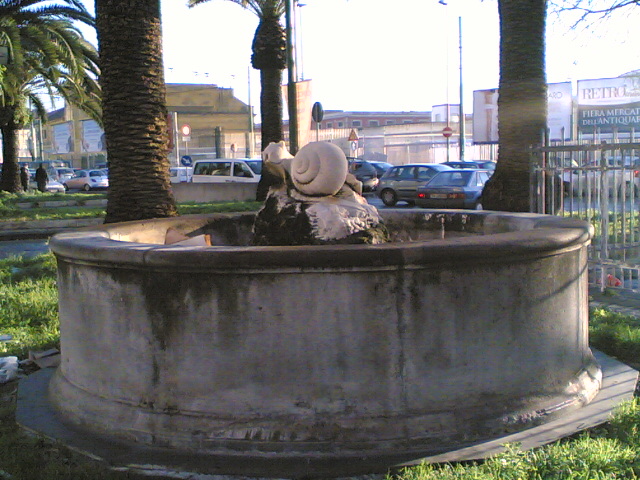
<point>314,200</point>
<point>318,169</point>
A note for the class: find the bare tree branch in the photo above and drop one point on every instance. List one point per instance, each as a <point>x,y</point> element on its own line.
<point>588,9</point>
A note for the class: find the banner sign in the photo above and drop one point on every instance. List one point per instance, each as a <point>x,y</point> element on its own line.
<point>485,116</point>
<point>559,110</point>
<point>609,104</point>
<point>92,137</point>
<point>63,138</point>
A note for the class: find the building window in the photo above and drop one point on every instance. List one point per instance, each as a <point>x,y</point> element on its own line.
<point>406,121</point>
<point>340,124</point>
<point>356,123</point>
<point>329,125</point>
<point>390,122</point>
<point>374,123</point>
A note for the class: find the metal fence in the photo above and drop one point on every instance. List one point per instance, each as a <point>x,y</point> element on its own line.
<point>600,184</point>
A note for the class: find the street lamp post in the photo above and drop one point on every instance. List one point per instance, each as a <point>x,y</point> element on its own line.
<point>462,119</point>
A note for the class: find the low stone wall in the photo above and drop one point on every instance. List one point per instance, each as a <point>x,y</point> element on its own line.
<point>336,359</point>
<point>214,192</point>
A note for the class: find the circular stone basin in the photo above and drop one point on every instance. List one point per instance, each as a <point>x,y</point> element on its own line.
<point>335,359</point>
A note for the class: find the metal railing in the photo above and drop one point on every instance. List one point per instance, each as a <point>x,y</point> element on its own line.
<point>600,184</point>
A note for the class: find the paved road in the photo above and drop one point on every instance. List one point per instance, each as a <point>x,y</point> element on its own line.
<point>25,248</point>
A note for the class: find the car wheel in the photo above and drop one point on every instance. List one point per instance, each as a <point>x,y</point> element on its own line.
<point>86,187</point>
<point>389,197</point>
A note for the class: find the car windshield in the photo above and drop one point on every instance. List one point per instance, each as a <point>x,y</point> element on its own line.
<point>255,165</point>
<point>451,179</point>
<point>96,173</point>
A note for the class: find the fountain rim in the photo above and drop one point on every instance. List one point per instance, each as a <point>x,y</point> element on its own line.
<point>531,235</point>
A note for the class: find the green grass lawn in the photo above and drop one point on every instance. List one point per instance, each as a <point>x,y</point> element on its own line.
<point>28,312</point>
<point>10,211</point>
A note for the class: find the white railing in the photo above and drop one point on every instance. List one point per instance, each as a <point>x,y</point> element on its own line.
<point>600,184</point>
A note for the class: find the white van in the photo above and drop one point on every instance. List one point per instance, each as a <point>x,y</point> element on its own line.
<point>180,174</point>
<point>227,170</point>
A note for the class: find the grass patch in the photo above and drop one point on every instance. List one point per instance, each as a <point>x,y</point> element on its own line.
<point>218,207</point>
<point>9,210</point>
<point>616,335</point>
<point>28,311</point>
<point>28,304</point>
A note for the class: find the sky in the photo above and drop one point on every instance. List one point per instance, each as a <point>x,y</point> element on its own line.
<point>365,55</point>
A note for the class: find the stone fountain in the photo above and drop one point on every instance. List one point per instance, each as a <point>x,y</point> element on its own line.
<point>386,338</point>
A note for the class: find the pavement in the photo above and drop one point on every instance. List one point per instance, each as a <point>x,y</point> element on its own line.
<point>620,301</point>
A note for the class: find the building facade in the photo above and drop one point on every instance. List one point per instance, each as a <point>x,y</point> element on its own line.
<point>218,122</point>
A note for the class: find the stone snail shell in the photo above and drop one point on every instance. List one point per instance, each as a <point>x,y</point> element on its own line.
<point>319,168</point>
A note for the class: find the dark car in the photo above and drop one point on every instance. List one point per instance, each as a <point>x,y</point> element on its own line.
<point>402,181</point>
<point>366,173</point>
<point>485,164</point>
<point>462,164</point>
<point>381,167</point>
<point>460,188</point>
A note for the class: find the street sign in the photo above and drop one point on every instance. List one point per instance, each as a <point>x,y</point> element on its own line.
<point>317,112</point>
<point>185,130</point>
<point>353,136</point>
<point>447,131</point>
<point>186,160</point>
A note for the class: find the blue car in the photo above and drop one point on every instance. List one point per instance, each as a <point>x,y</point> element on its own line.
<point>460,188</point>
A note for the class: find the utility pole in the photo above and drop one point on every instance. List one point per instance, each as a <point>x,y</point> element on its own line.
<point>292,95</point>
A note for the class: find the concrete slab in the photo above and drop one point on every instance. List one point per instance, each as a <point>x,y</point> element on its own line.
<point>35,414</point>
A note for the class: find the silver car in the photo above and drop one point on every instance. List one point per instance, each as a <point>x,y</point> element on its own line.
<point>88,180</point>
<point>401,182</point>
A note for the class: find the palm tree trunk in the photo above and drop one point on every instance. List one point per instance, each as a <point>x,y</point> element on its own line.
<point>522,102</point>
<point>10,172</point>
<point>271,105</point>
<point>134,111</point>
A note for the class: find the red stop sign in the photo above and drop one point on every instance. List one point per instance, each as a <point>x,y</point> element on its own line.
<point>447,131</point>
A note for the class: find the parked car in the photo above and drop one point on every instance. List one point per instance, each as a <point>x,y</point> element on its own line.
<point>255,164</point>
<point>460,188</point>
<point>462,164</point>
<point>64,173</point>
<point>381,167</point>
<point>227,170</point>
<point>621,173</point>
<point>87,180</point>
<point>52,186</point>
<point>366,173</point>
<point>180,174</point>
<point>401,182</point>
<point>485,164</point>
